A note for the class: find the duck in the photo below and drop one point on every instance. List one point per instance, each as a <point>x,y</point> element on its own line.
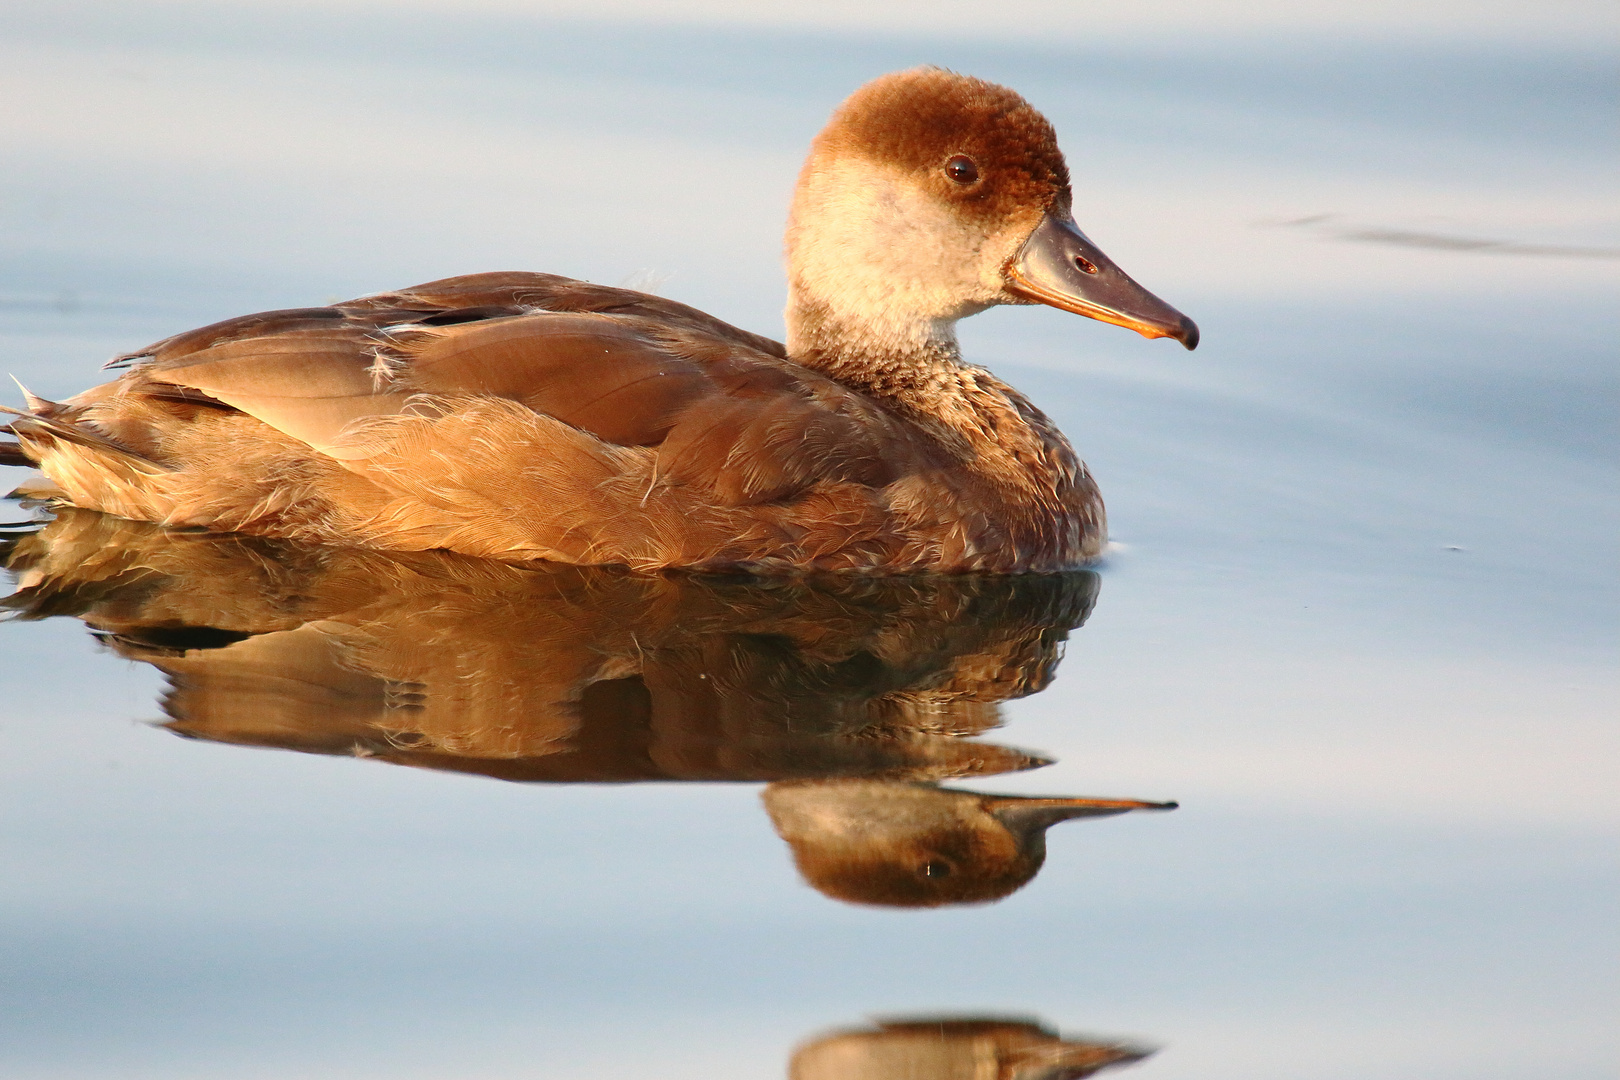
<point>523,416</point>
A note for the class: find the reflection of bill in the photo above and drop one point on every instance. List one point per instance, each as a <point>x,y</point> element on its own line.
<point>852,695</point>
<point>963,1048</point>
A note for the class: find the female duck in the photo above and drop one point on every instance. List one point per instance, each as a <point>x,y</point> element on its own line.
<point>526,416</point>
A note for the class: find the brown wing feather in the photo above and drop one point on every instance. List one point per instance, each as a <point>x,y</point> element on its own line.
<point>594,373</point>
<point>458,299</point>
<point>260,324</point>
<point>728,415</point>
<point>310,382</point>
<point>771,432</point>
<point>698,450</point>
<point>741,424</point>
<point>552,292</point>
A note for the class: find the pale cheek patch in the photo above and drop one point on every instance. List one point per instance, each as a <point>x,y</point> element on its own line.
<point>870,244</point>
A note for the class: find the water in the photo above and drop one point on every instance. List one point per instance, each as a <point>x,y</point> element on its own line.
<point>1360,622</point>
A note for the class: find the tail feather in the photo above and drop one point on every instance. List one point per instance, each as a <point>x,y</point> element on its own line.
<point>12,453</point>
<point>36,404</point>
<point>30,426</point>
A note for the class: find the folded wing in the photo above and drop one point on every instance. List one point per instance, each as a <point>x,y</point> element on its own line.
<point>723,408</point>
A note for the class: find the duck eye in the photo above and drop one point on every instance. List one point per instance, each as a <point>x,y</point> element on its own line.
<point>936,869</point>
<point>1085,264</point>
<point>962,170</point>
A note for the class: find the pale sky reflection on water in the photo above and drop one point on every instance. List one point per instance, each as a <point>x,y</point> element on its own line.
<point>1360,622</point>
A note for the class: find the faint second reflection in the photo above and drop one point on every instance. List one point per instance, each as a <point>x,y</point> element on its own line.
<point>956,1048</point>
<point>849,697</point>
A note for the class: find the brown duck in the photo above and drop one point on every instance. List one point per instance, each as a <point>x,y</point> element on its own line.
<point>525,416</point>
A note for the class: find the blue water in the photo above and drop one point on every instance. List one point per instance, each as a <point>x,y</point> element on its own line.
<point>1360,620</point>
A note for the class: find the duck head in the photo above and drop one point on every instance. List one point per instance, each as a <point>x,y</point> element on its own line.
<point>918,845</point>
<point>931,196</point>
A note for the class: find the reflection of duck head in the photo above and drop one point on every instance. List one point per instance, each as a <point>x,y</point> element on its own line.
<point>917,845</point>
<point>955,1049</point>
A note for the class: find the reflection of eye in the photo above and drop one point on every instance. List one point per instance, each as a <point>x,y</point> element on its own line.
<point>936,869</point>
<point>962,169</point>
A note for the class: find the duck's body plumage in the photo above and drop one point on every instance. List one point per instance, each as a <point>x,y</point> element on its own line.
<point>528,416</point>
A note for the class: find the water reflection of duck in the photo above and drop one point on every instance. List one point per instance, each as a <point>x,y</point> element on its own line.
<point>554,672</point>
<point>956,1049</point>
<point>521,416</point>
<point>567,674</point>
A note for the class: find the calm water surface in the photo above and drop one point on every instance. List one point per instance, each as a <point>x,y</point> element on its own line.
<point>1359,620</point>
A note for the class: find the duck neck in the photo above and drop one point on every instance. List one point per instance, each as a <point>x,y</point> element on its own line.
<point>908,361</point>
